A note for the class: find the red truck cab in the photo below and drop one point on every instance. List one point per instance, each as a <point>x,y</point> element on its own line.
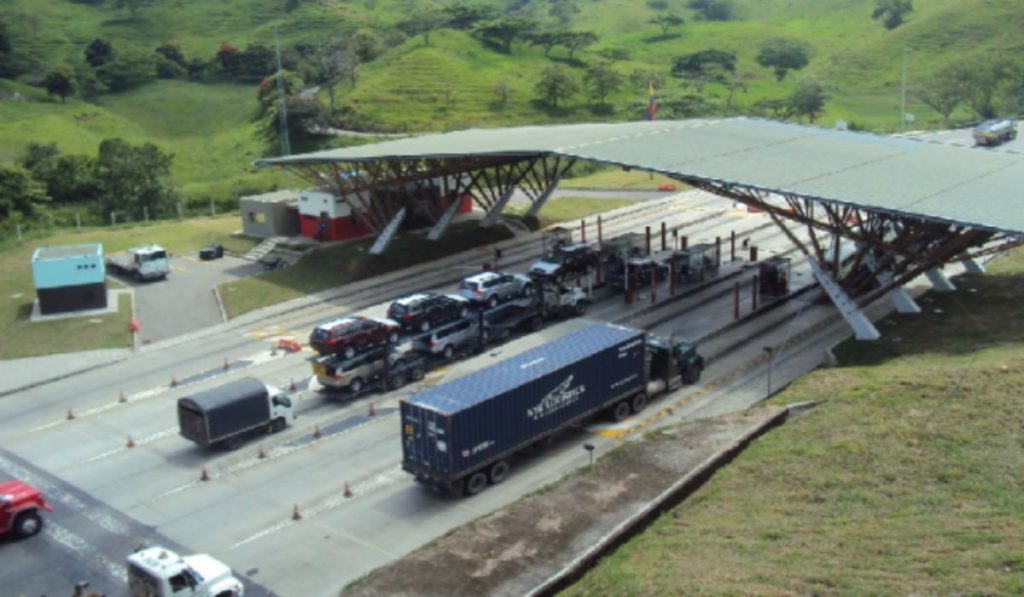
<point>19,509</point>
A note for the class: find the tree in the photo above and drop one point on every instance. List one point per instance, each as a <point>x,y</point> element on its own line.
<point>502,91</point>
<point>126,70</point>
<point>892,12</point>
<point>613,55</point>
<point>465,16</point>
<point>809,99</point>
<point>577,40</point>
<point>546,39</point>
<point>980,79</point>
<point>98,52</point>
<point>306,117</point>
<point>132,5</point>
<point>68,178</point>
<point>602,80</point>
<point>783,55</point>
<point>563,11</point>
<point>556,83</point>
<point>694,65</point>
<point>336,62</point>
<point>60,81</point>
<point>943,92</point>
<point>666,21</point>
<point>20,193</point>
<point>734,82</point>
<point>131,177</point>
<point>713,10</point>
<point>38,153</point>
<point>173,53</point>
<point>506,30</point>
<point>423,23</point>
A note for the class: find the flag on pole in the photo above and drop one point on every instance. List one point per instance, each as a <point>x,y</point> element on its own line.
<point>652,101</point>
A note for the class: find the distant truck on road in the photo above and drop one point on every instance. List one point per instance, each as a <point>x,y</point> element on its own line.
<point>159,572</point>
<point>995,132</point>
<point>227,414</point>
<point>459,436</point>
<point>142,263</point>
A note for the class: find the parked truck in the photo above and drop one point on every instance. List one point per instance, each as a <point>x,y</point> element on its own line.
<point>159,572</point>
<point>142,263</point>
<point>460,436</point>
<point>20,504</point>
<point>227,414</point>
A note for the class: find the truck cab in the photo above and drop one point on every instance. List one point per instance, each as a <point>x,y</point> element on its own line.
<point>667,360</point>
<point>20,504</point>
<point>159,572</point>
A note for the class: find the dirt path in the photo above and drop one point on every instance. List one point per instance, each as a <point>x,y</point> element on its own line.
<point>516,549</point>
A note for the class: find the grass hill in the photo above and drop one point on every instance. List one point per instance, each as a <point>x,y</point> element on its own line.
<point>450,83</point>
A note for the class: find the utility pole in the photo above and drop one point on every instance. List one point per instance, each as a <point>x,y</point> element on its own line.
<point>903,93</point>
<point>286,148</point>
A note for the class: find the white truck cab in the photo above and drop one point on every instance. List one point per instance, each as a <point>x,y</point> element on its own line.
<point>159,572</point>
<point>148,262</point>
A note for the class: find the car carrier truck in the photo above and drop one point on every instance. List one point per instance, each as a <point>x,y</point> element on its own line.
<point>226,414</point>
<point>459,436</point>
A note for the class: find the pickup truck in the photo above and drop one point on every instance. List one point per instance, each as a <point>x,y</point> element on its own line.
<point>159,572</point>
<point>20,504</point>
<point>142,263</point>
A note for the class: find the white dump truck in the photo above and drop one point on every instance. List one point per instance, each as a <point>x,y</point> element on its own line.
<point>142,263</point>
<point>159,572</point>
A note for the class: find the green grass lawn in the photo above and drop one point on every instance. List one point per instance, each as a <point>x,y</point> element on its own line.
<point>17,291</point>
<point>617,178</point>
<point>336,265</point>
<point>572,209</point>
<point>906,480</point>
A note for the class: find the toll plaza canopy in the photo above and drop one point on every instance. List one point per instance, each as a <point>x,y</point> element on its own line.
<point>901,178</point>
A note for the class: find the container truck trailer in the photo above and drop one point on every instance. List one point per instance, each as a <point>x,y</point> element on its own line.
<point>459,436</point>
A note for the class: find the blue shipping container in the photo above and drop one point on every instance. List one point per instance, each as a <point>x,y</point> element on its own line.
<point>461,426</point>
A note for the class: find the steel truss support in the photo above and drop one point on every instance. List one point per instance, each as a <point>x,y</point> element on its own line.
<point>889,249</point>
<point>384,239</point>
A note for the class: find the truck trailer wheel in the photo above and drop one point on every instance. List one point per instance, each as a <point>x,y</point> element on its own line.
<point>477,482</point>
<point>27,523</point>
<point>620,411</point>
<point>639,402</point>
<point>232,443</point>
<point>499,472</point>
<point>692,374</point>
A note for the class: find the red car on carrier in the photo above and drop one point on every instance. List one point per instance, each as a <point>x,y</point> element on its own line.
<point>348,335</point>
<point>19,509</point>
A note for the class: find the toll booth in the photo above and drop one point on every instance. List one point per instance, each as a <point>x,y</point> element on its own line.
<point>616,250</point>
<point>695,264</point>
<point>774,275</point>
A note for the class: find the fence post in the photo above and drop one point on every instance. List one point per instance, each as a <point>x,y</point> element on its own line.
<point>113,218</point>
<point>78,222</point>
<point>213,210</point>
<point>18,228</point>
<point>145,213</point>
<point>179,209</point>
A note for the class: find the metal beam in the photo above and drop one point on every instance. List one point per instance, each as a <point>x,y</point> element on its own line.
<point>388,233</point>
<point>862,327</point>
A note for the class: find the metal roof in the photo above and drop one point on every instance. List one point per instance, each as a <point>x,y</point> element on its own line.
<point>894,175</point>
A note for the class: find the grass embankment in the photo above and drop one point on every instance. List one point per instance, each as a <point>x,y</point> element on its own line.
<point>337,265</point>
<point>571,209</point>
<point>23,338</point>
<point>616,178</point>
<point>907,480</point>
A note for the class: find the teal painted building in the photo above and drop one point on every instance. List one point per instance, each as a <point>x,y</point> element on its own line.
<point>69,278</point>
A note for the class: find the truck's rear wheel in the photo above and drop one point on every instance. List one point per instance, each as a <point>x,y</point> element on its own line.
<point>476,483</point>
<point>27,523</point>
<point>278,425</point>
<point>639,402</point>
<point>499,472</point>
<point>620,411</point>
<point>692,374</point>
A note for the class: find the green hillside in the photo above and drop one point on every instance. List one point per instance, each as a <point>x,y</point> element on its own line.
<point>450,83</point>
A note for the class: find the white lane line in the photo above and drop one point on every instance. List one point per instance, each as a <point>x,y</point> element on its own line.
<point>84,552</point>
<point>138,442</point>
<point>360,488</point>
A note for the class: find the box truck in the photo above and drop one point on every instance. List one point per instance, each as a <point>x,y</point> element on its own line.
<point>225,415</point>
<point>460,435</point>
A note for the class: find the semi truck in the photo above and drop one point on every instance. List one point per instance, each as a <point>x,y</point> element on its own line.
<point>460,436</point>
<point>159,572</point>
<point>142,263</point>
<point>995,131</point>
<point>227,414</point>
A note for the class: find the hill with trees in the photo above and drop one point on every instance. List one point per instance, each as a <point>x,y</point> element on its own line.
<point>194,85</point>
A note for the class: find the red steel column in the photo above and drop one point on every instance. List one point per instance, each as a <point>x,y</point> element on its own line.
<point>654,286</point>
<point>683,243</point>
<point>599,228</point>
<point>736,302</point>
<point>647,243</point>
<point>732,245</point>
<point>583,231</point>
<point>753,294</point>
<point>663,237</point>
<point>753,254</point>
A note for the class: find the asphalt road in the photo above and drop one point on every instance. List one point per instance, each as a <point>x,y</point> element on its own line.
<point>962,138</point>
<point>185,301</point>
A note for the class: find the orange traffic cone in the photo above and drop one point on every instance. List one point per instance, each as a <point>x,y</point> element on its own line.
<point>122,398</point>
<point>203,475</point>
<point>71,415</point>
<point>291,386</point>
<point>348,490</point>
<point>262,453</point>
<point>174,382</point>
<point>131,442</point>
<point>372,412</point>
<point>226,365</point>
<point>316,432</point>
<point>296,515</point>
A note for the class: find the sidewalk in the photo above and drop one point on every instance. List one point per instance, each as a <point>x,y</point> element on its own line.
<point>24,373</point>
